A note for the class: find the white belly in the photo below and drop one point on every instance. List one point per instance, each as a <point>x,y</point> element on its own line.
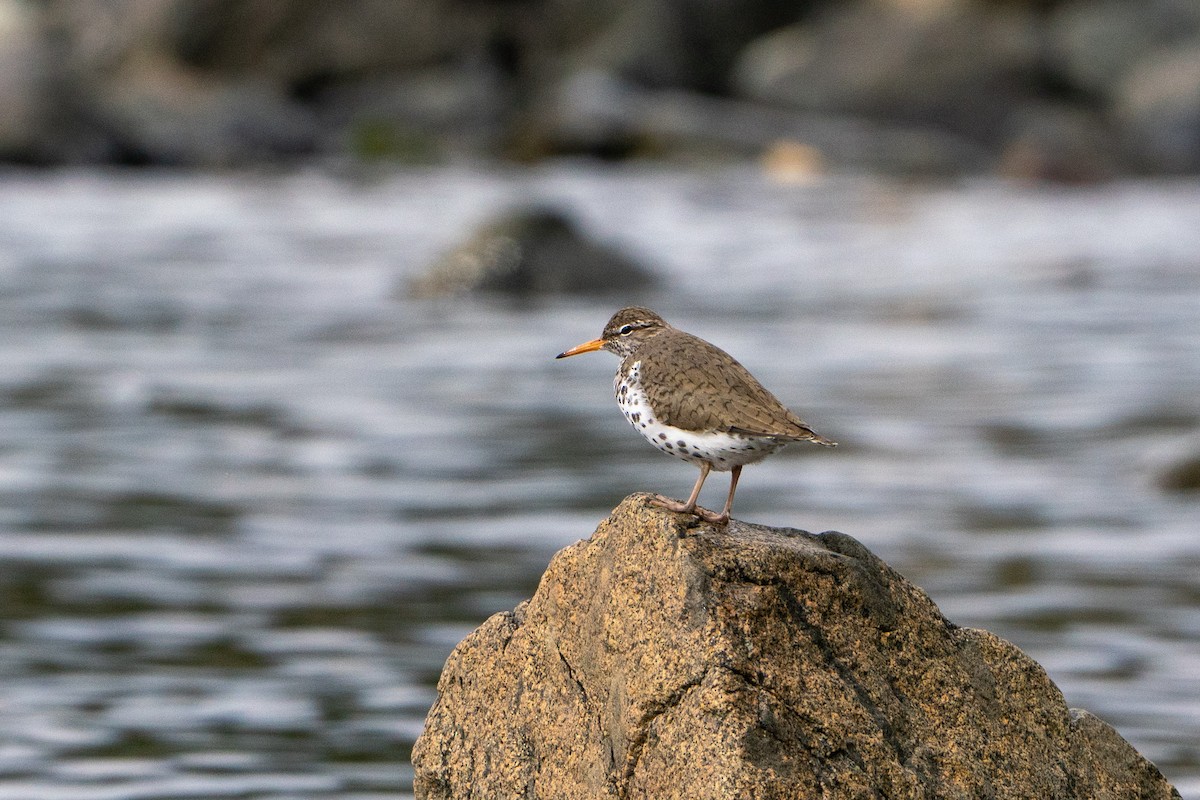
<point>722,451</point>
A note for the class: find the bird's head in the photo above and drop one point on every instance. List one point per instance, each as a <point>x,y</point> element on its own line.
<point>624,333</point>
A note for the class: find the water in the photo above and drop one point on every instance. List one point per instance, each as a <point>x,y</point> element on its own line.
<point>250,495</point>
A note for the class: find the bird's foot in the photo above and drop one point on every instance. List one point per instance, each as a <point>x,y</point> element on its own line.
<point>689,508</point>
<point>673,505</point>
<point>712,516</point>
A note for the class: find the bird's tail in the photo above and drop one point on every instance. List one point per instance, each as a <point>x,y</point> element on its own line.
<point>817,438</point>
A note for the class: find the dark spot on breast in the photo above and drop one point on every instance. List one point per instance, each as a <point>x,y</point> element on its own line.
<point>662,436</point>
<point>669,446</point>
<point>682,443</point>
<point>636,416</point>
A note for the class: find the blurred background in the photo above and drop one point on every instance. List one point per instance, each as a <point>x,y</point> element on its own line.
<point>281,284</point>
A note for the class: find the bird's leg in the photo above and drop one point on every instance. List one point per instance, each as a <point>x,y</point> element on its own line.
<point>723,517</point>
<point>690,506</point>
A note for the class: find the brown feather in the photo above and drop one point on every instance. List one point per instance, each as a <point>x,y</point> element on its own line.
<point>695,385</point>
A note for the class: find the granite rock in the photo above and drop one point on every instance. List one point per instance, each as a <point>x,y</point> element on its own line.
<point>666,658</point>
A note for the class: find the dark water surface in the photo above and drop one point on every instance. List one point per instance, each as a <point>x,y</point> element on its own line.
<point>250,496</point>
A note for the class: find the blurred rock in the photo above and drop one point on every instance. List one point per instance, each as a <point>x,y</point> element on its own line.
<point>165,117</point>
<point>667,658</point>
<point>1183,475</point>
<point>296,43</point>
<point>421,116</point>
<point>214,82</point>
<point>1097,43</point>
<point>957,66</point>
<point>1062,144</point>
<point>123,95</point>
<point>914,86</point>
<point>528,252</point>
<point>22,77</point>
<point>598,112</point>
<point>1138,64</point>
<point>1158,105</point>
<point>683,44</point>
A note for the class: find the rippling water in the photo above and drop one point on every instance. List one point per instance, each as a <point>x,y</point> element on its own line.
<point>250,496</point>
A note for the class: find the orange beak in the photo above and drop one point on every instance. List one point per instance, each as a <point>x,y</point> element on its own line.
<point>586,347</point>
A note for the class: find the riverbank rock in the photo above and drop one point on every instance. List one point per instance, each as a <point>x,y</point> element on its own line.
<point>223,83</point>
<point>665,658</point>
<point>912,87</point>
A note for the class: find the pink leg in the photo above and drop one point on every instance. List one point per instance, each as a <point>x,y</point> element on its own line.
<point>690,506</point>
<point>723,518</point>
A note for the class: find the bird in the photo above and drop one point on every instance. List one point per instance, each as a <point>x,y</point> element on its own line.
<point>694,401</point>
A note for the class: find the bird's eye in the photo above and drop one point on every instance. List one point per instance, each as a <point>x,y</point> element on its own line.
<point>625,330</point>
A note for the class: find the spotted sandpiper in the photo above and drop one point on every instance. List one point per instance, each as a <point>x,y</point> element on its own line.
<point>693,401</point>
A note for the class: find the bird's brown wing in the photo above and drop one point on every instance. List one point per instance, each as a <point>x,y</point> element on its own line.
<point>695,385</point>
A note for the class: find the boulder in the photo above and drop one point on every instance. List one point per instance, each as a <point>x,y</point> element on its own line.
<point>531,251</point>
<point>597,112</point>
<point>120,93</point>
<point>1158,107</point>
<point>1182,474</point>
<point>22,79</point>
<point>681,44</point>
<point>667,658</point>
<point>220,82</point>
<point>1096,44</point>
<point>963,66</point>
<point>1059,143</point>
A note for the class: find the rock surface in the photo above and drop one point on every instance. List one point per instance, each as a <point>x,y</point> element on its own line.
<point>663,658</point>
